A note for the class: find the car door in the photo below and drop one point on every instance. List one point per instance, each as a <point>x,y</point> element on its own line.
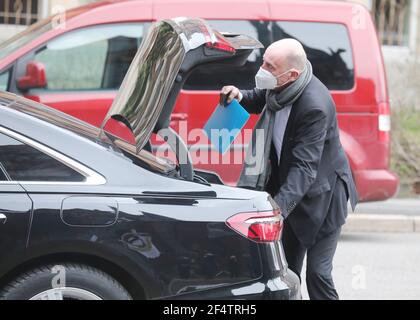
<point>15,213</point>
<point>40,171</point>
<point>83,68</point>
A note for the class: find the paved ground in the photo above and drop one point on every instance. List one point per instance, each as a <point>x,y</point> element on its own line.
<point>394,215</point>
<point>377,266</point>
<point>408,207</point>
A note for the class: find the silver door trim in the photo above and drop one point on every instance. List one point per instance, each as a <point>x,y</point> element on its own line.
<point>91,177</point>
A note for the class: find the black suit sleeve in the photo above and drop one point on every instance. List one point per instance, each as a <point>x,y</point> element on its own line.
<point>306,156</point>
<point>253,100</point>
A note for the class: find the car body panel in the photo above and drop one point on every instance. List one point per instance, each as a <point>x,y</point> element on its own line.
<point>158,242</point>
<point>16,209</point>
<point>167,234</point>
<point>172,242</point>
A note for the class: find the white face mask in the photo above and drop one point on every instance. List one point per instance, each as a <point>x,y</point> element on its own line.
<point>266,80</point>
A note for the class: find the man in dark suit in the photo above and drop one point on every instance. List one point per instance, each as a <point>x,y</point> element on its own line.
<point>307,170</point>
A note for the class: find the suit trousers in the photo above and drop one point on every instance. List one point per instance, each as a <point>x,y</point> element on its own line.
<point>319,281</point>
<point>319,260</point>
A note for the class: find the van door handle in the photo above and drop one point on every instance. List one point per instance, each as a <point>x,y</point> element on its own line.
<point>179,116</point>
<point>176,117</point>
<point>3,218</point>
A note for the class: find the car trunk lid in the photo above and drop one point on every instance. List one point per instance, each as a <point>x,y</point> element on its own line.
<point>172,49</point>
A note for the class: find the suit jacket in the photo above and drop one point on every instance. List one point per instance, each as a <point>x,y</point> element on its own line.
<point>312,159</point>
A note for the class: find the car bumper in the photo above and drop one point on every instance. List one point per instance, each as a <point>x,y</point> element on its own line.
<point>374,185</point>
<point>283,287</point>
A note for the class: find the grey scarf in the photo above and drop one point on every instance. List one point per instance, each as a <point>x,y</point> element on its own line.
<point>255,172</point>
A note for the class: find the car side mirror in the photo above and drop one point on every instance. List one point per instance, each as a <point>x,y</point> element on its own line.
<point>34,78</point>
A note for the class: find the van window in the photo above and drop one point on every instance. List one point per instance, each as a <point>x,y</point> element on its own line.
<point>4,80</point>
<point>91,58</point>
<point>216,77</point>
<point>327,46</point>
<point>23,38</point>
<point>25,163</point>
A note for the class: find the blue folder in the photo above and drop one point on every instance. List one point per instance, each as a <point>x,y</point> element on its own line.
<point>225,124</point>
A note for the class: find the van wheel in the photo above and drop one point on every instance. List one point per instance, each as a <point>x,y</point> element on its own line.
<point>64,282</point>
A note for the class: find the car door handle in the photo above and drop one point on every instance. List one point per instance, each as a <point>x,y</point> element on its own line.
<point>3,218</point>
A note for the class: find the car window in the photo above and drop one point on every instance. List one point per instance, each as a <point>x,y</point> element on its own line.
<point>25,163</point>
<point>327,45</point>
<point>2,175</point>
<point>216,77</point>
<point>4,80</point>
<point>92,58</point>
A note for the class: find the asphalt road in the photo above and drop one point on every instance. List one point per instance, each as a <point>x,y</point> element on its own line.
<point>377,266</point>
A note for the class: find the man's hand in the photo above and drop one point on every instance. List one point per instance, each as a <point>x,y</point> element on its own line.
<point>228,93</point>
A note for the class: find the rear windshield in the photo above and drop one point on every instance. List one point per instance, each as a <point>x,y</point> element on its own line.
<point>326,44</point>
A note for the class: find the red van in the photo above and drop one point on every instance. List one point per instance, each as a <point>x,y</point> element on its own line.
<point>76,61</point>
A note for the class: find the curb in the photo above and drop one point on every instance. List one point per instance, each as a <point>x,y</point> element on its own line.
<point>357,222</point>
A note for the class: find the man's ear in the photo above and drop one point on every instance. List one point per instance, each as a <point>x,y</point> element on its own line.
<point>294,74</point>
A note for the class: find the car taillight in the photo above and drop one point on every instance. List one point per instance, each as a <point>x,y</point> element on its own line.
<point>265,226</point>
<point>219,43</point>
<point>221,46</point>
<point>384,122</point>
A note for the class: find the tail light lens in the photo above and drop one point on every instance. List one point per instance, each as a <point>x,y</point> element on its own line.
<point>265,226</point>
<point>384,122</point>
<point>220,44</point>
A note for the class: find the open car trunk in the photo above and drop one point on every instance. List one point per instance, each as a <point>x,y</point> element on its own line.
<point>168,55</point>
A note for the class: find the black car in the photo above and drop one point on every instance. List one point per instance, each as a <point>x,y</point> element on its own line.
<point>87,215</point>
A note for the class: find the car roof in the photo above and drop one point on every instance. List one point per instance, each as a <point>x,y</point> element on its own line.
<point>153,10</point>
<point>362,33</point>
<point>117,11</point>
